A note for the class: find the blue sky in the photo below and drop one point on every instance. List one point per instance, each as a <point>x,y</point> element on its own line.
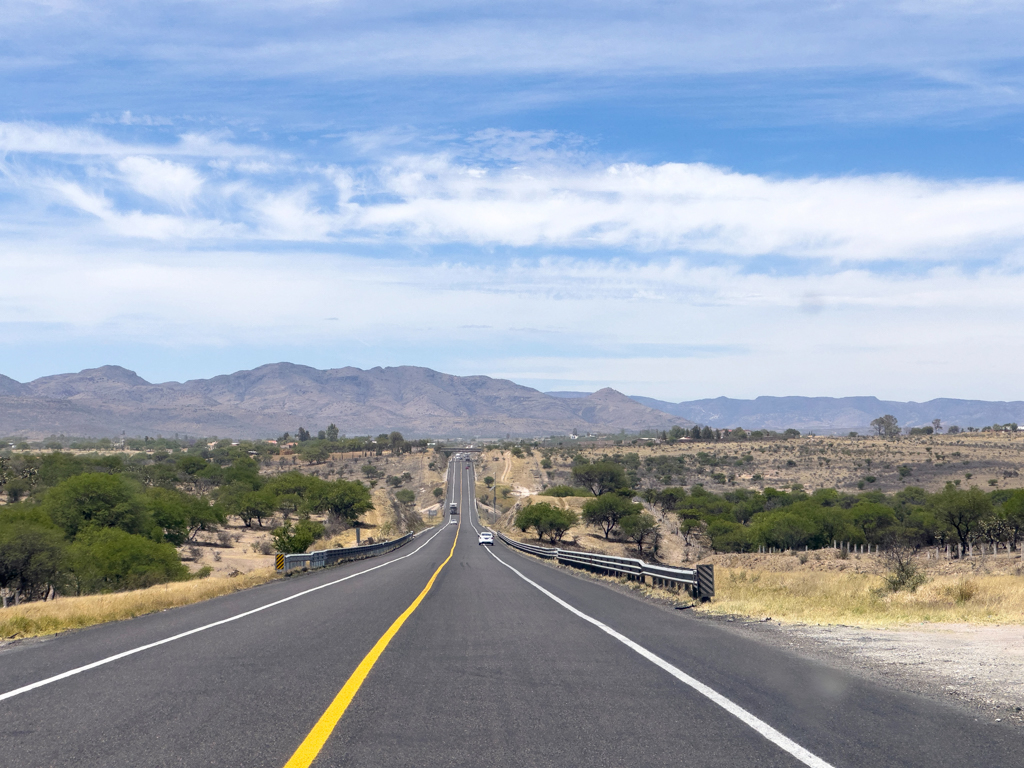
<point>679,200</point>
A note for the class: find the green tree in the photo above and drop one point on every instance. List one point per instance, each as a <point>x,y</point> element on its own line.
<point>190,464</point>
<point>405,497</point>
<point>488,481</point>
<point>317,455</point>
<point>244,470</point>
<point>341,500</point>
<point>640,529</point>
<point>886,426</point>
<point>256,505</point>
<point>93,499</point>
<point>182,516</point>
<point>1012,514</point>
<point>600,477</point>
<point>546,520</point>
<point>962,511</point>
<point>607,510</point>
<point>32,554</point>
<point>332,433</point>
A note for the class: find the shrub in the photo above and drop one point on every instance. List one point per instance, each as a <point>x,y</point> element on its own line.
<point>561,491</point>
<point>298,539</point>
<point>898,558</point>
<point>962,591</point>
<point>110,560</point>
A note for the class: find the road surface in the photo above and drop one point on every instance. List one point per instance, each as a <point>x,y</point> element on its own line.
<point>447,653</point>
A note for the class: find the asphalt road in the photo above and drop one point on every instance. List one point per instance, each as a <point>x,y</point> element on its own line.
<point>491,668</point>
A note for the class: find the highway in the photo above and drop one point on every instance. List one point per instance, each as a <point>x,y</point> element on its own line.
<point>447,653</point>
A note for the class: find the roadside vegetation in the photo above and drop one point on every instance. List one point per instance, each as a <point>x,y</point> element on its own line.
<point>856,554</point>
<point>46,618</point>
<point>865,600</point>
<point>77,523</point>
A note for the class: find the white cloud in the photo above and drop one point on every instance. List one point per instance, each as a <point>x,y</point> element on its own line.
<point>522,191</point>
<point>697,208</point>
<point>43,139</point>
<point>946,333</point>
<point>162,180</point>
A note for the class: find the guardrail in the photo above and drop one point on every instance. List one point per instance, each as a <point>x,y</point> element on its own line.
<point>700,581</point>
<point>323,558</point>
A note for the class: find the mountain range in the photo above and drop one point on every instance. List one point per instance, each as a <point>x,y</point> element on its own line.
<point>419,402</point>
<point>273,399</point>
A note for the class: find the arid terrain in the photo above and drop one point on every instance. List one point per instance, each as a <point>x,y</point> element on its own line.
<point>241,549</point>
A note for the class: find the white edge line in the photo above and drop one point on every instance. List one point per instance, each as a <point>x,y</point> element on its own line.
<point>123,654</point>
<point>783,742</point>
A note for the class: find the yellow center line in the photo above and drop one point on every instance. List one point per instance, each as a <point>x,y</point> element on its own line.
<point>314,742</point>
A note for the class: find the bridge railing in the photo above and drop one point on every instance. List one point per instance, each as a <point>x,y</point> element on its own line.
<point>699,581</point>
<point>327,557</point>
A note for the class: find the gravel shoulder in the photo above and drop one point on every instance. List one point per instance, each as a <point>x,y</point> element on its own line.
<point>978,668</point>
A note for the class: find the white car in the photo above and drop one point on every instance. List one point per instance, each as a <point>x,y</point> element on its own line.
<point>486,537</point>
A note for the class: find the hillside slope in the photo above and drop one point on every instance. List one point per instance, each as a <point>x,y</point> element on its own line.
<point>281,397</point>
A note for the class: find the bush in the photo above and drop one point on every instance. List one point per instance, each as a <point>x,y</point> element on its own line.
<point>110,560</point>
<point>898,558</point>
<point>288,540</point>
<point>561,491</point>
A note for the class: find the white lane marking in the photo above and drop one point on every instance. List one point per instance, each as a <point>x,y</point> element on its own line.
<point>123,654</point>
<point>784,742</point>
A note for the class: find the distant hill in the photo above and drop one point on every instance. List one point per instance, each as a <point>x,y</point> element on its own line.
<point>272,399</point>
<point>837,414</point>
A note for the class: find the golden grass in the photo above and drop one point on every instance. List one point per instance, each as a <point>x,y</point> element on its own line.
<point>35,619</point>
<point>815,597</point>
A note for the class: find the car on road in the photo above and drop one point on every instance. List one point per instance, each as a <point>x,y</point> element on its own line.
<point>486,537</point>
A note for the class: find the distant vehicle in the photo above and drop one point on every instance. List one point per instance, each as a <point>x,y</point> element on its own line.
<point>454,508</point>
<point>486,538</point>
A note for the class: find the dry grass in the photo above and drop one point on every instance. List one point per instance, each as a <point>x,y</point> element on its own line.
<point>857,599</point>
<point>35,619</point>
